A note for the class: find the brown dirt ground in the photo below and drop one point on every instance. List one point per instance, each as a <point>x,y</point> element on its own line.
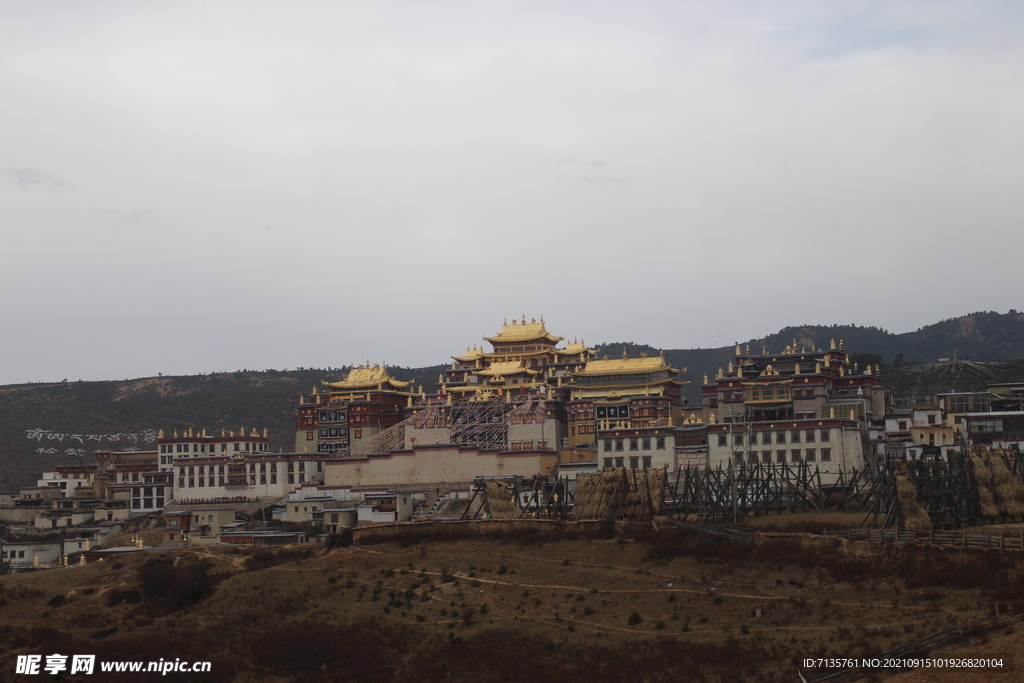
<point>574,592</point>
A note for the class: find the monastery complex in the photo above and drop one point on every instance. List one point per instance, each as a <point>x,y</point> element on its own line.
<point>525,406</point>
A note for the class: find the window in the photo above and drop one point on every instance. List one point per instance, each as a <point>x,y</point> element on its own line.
<point>811,455</point>
<point>795,436</point>
<point>753,439</point>
<point>780,456</point>
<point>738,440</point>
<point>634,462</point>
<point>902,426</point>
<point>618,445</point>
<point>826,455</point>
<point>633,445</point>
<point>220,481</point>
<point>291,478</point>
<point>825,435</point>
<point>273,478</point>
<point>766,456</point>
<point>263,479</point>
<point>661,443</point>
<point>181,483</point>
<point>931,419</point>
<point>796,455</point>
<point>780,437</point>
<point>607,463</point>
<point>809,436</point>
<point>191,482</point>
<point>721,440</point>
<point>619,462</point>
<point>647,444</point>
<point>647,461</point>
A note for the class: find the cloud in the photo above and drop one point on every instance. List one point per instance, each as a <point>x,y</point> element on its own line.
<point>31,177</point>
<point>397,177</point>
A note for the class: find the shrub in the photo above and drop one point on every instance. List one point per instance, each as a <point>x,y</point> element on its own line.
<point>634,619</point>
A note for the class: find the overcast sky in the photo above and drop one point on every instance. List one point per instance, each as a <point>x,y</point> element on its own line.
<point>193,187</point>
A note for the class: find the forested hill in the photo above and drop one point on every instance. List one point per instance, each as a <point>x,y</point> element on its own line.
<point>978,336</point>
<point>127,408</point>
<point>267,399</point>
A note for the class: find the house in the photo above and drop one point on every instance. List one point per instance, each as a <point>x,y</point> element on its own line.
<point>27,554</point>
<point>386,507</point>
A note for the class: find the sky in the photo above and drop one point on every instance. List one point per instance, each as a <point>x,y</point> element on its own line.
<point>195,187</point>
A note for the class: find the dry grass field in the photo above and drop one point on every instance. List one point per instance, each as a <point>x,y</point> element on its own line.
<point>638,604</point>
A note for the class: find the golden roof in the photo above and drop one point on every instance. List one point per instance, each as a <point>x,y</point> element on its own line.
<point>619,394</point>
<point>575,348</point>
<point>523,331</point>
<point>507,368</point>
<point>625,366</point>
<point>366,377</point>
<point>471,355</point>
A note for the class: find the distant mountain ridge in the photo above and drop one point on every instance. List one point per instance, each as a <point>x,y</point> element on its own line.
<point>267,399</point>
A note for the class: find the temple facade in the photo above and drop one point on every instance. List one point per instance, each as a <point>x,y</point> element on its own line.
<point>801,406</point>
<point>524,357</point>
<point>622,393</point>
<point>365,403</point>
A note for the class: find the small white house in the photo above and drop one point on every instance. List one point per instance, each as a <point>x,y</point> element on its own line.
<point>386,507</point>
<point>24,555</point>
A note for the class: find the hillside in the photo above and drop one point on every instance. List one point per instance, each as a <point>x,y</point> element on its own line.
<point>225,400</point>
<point>986,336</point>
<point>550,606</point>
<point>267,399</point>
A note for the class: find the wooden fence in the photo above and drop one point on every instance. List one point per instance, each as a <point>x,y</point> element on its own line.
<point>962,539</point>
